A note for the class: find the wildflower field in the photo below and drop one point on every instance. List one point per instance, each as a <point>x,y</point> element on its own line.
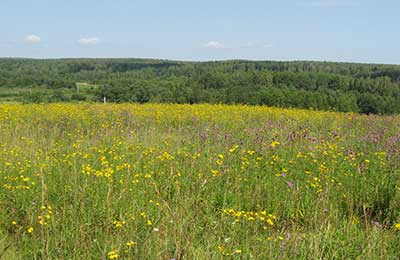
<point>95,181</point>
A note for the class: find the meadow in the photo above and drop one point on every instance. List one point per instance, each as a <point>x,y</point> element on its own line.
<point>159,181</point>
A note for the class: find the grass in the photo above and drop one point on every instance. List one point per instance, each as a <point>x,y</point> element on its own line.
<point>11,94</point>
<point>16,94</point>
<point>8,248</point>
<point>197,182</point>
<point>87,90</point>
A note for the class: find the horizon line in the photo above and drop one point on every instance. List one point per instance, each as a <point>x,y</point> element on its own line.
<point>200,60</point>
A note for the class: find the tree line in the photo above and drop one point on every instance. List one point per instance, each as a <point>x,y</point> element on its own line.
<point>363,88</point>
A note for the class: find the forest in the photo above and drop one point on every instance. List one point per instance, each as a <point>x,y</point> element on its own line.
<point>330,86</point>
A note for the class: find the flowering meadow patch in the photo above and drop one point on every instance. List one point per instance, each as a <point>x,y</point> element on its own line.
<point>157,181</point>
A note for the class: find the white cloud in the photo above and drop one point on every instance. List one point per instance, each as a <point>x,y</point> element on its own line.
<point>89,41</point>
<point>214,45</point>
<point>32,39</point>
<point>334,3</point>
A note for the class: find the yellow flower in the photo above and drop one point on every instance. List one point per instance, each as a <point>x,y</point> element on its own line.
<point>14,222</point>
<point>130,244</point>
<point>238,251</point>
<point>275,143</point>
<point>397,226</point>
<point>215,173</point>
<point>233,149</point>
<point>218,162</point>
<point>30,230</point>
<point>113,254</point>
<point>119,224</point>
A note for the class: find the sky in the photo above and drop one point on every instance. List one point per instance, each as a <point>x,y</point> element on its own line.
<point>331,30</point>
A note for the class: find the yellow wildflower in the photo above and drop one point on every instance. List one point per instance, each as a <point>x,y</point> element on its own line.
<point>113,254</point>
<point>130,244</point>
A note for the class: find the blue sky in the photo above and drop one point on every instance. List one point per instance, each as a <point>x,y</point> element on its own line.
<point>335,30</point>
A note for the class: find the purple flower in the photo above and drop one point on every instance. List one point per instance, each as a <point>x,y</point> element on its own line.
<point>290,184</point>
<point>376,223</point>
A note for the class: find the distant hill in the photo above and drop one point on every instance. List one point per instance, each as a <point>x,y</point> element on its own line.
<point>364,88</point>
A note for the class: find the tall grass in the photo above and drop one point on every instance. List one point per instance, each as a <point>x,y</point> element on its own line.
<point>197,182</point>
